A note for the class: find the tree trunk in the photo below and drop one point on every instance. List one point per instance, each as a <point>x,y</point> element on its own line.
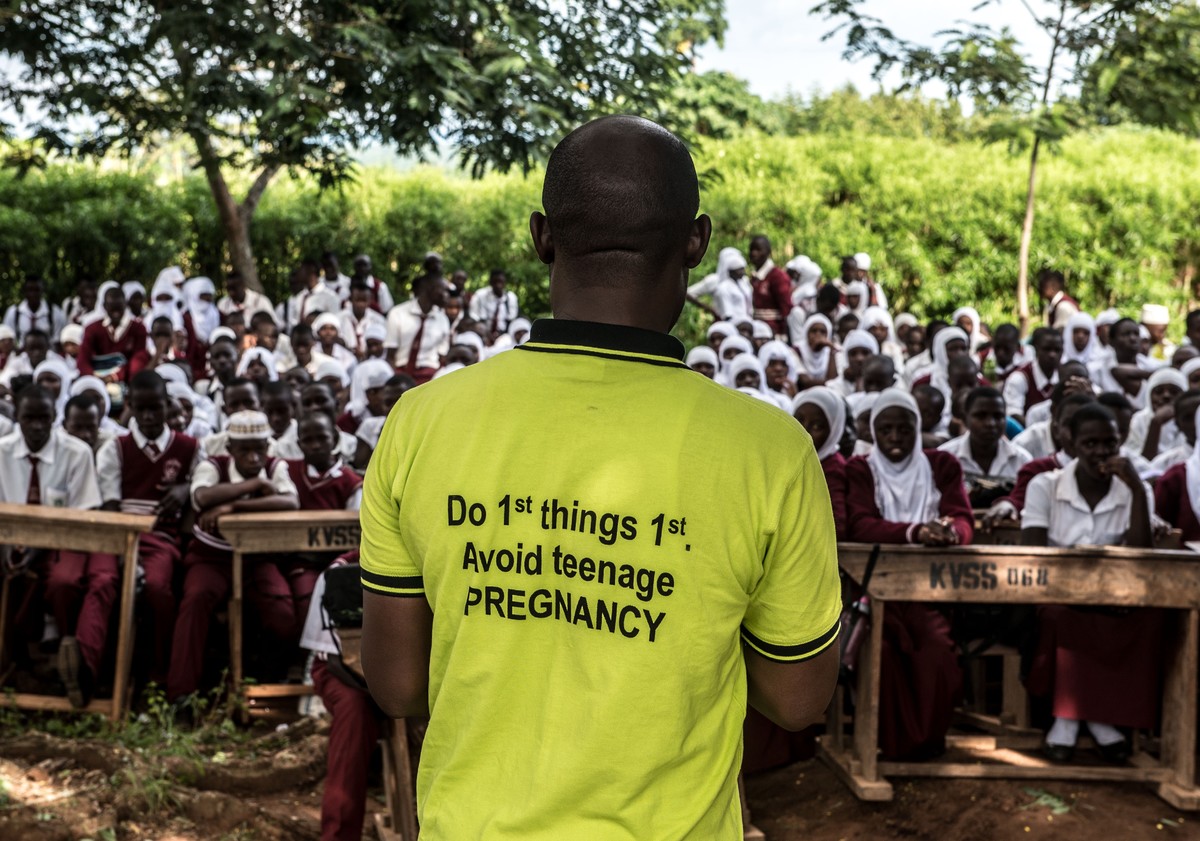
<point>1026,238</point>
<point>235,218</point>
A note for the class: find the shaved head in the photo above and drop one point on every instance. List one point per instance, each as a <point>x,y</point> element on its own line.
<point>620,184</point>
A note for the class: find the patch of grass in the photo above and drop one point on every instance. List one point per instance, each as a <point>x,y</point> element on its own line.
<point>1045,800</point>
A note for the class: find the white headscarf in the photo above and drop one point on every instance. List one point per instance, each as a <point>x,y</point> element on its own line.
<point>878,315</point>
<point>976,337</point>
<point>170,309</point>
<point>858,288</point>
<point>703,353</point>
<point>1188,367</point>
<point>516,326</point>
<point>721,328</point>
<point>472,340</point>
<point>98,312</point>
<point>56,367</point>
<point>172,275</point>
<point>728,260</point>
<point>368,374</point>
<point>1165,376</point>
<point>747,362</point>
<point>265,357</point>
<point>332,368</point>
<point>905,319</point>
<point>815,362</point>
<point>905,491</point>
<point>859,338</point>
<point>941,359</point>
<point>1080,321</point>
<point>205,317</point>
<point>776,349</point>
<point>742,344</point>
<point>761,330</point>
<point>834,408</point>
<point>862,260</point>
<point>1192,476</point>
<point>90,383</point>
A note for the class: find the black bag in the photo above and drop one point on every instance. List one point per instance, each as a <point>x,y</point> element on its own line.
<point>343,599</point>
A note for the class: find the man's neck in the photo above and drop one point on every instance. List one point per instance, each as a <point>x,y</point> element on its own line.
<point>425,304</point>
<point>982,452</point>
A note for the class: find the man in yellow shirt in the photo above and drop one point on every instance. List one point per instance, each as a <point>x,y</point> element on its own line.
<point>583,605</point>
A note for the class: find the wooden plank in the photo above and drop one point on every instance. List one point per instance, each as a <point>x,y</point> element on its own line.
<point>1004,771</point>
<point>405,817</point>
<point>235,625</point>
<point>1179,700</point>
<point>125,608</point>
<point>53,703</point>
<point>69,528</point>
<point>277,690</point>
<point>1114,576</point>
<point>292,531</point>
<point>842,764</point>
<point>384,829</point>
<point>866,711</point>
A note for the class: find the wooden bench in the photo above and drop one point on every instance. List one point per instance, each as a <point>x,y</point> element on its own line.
<point>71,529</point>
<point>1100,576</point>
<point>277,533</point>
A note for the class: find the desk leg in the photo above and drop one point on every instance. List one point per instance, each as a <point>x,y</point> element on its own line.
<point>5,593</point>
<point>866,705</point>
<point>1179,715</point>
<point>235,629</point>
<point>125,627</point>
<point>406,789</point>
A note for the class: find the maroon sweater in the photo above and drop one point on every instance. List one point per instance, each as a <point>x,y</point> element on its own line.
<point>328,493</point>
<point>835,477</point>
<point>97,343</point>
<point>864,522</point>
<point>144,480</point>
<point>1172,503</point>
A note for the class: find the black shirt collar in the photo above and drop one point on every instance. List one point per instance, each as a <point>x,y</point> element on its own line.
<point>592,335</point>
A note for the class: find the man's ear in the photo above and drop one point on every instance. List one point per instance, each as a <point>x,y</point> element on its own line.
<point>698,240</point>
<point>543,240</point>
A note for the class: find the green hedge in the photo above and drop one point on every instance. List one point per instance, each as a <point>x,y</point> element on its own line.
<point>1117,211</point>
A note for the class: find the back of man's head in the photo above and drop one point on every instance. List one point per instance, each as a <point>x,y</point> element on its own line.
<point>620,190</point>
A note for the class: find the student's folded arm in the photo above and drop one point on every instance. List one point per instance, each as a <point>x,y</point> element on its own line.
<point>863,520</point>
<point>947,473</point>
<point>275,502</point>
<point>214,495</point>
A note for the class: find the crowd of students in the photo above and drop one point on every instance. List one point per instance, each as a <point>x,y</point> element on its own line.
<point>1084,434</point>
<point>188,406</point>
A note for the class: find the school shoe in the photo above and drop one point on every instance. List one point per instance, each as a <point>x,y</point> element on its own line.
<point>1117,753</point>
<point>74,673</point>
<point>1058,753</point>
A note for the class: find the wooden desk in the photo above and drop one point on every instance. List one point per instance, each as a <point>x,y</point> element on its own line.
<point>1111,576</point>
<point>71,529</point>
<point>278,533</point>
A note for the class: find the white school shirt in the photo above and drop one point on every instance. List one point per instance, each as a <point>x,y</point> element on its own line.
<point>352,329</point>
<point>1009,459</point>
<point>48,318</point>
<point>706,286</point>
<point>1166,459</point>
<point>252,303</point>
<point>1016,388</point>
<point>318,635</point>
<point>485,304</point>
<point>354,501</point>
<point>287,445</point>
<point>206,475</point>
<point>1108,382</point>
<point>370,429</point>
<point>1169,435</point>
<point>108,462</point>
<point>320,298</point>
<point>1036,440</point>
<point>1053,502</point>
<point>913,367</point>
<point>66,471</point>
<point>403,322</point>
<point>733,299</point>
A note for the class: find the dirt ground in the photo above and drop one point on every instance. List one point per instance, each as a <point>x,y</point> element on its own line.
<point>55,789</point>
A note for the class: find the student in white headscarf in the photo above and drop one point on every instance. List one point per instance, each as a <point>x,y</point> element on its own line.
<point>746,373</point>
<point>949,343</point>
<point>858,297</point>
<point>858,347</point>
<point>196,424</point>
<point>199,296</point>
<point>1153,429</point>
<point>822,413</point>
<point>703,360</point>
<point>815,345</point>
<point>718,331</point>
<point>1081,345</point>
<point>708,284</point>
<point>782,366</point>
<point>95,385</point>
<point>900,493</point>
<point>1177,491</point>
<point>733,296</point>
<point>878,322</point>
<point>55,376</point>
<point>967,319</point>
<point>258,364</point>
<point>366,386</point>
<point>731,347</point>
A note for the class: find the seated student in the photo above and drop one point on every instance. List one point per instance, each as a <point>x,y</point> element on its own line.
<point>315,397</point>
<point>247,479</point>
<point>878,322</point>
<point>304,348</point>
<point>1153,429</point>
<point>1074,378</point>
<point>370,429</point>
<point>1034,381</point>
<point>263,332</point>
<point>35,348</point>
<point>258,365</point>
<point>990,462</point>
<point>903,494</point>
<point>43,465</point>
<point>194,425</point>
<point>238,395</point>
<point>748,375</point>
<point>1185,418</point>
<point>863,439</point>
<point>921,358</point>
<point>731,347</point>
<point>962,375</point>
<point>70,337</point>
<point>949,344</point>
<point>1099,667</point>
<point>879,373</point>
<point>1177,491</point>
<point>94,389</point>
<point>817,363</point>
<point>857,348</point>
<point>932,405</point>
<point>718,332</point>
<point>1002,355</point>
<point>82,421</point>
<point>1127,368</point>
<point>327,327</point>
<point>1038,439</point>
<point>822,413</point>
<point>323,483</point>
<point>334,375</point>
<point>114,346</point>
<point>703,360</point>
<point>279,405</point>
<point>366,388</point>
<point>148,472</point>
<point>375,335</point>
<point>846,325</point>
<point>761,333</point>
<point>8,343</point>
<point>222,363</point>
<point>355,724</point>
<point>54,376</point>
<point>1122,410</point>
<point>356,316</point>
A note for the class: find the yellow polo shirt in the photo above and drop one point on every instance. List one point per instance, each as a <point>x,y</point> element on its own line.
<point>598,530</point>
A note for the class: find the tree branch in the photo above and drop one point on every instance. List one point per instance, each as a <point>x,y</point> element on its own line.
<point>255,193</point>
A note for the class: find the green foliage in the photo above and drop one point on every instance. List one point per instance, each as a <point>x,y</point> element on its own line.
<point>846,111</point>
<point>941,220</point>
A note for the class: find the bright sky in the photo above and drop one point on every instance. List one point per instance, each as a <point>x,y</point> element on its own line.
<point>776,44</point>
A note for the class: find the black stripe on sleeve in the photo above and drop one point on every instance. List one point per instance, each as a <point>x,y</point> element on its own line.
<point>791,653</point>
<point>392,585</point>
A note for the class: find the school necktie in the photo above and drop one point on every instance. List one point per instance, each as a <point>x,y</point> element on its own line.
<point>496,315</point>
<point>34,495</point>
<point>415,349</point>
<point>152,449</point>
